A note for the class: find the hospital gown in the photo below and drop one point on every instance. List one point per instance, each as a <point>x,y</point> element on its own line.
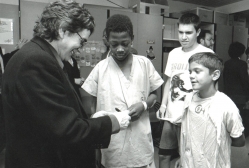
<point>133,146</point>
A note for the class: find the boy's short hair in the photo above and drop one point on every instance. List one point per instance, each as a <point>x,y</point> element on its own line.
<point>236,50</point>
<point>190,18</point>
<point>202,35</point>
<point>119,23</point>
<point>208,60</point>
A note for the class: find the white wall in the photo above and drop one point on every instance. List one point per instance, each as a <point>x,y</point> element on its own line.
<point>155,9</point>
<point>176,6</point>
<point>234,7</point>
<point>11,2</point>
<point>124,3</point>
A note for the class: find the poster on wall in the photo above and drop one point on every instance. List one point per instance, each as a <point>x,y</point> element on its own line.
<point>91,53</point>
<point>6,31</point>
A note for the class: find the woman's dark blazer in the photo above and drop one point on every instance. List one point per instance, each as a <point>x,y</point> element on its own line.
<point>46,125</point>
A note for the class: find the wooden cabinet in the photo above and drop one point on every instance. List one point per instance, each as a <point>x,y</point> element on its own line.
<point>222,41</point>
<point>170,29</point>
<point>150,35</point>
<point>205,15</point>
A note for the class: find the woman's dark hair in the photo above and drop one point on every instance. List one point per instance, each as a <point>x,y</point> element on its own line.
<point>236,49</point>
<point>69,17</point>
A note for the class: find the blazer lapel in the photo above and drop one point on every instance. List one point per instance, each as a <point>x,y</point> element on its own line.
<point>76,95</point>
<point>51,51</point>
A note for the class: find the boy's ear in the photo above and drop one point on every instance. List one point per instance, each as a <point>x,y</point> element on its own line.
<point>198,32</point>
<point>216,75</point>
<point>132,38</point>
<point>202,41</point>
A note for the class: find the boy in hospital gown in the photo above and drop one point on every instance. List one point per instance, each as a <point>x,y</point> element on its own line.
<point>120,82</point>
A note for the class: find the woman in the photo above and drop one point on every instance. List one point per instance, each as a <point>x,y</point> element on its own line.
<point>236,80</point>
<point>46,125</point>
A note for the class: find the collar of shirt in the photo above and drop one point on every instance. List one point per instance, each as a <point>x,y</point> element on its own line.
<point>57,56</point>
<point>71,61</point>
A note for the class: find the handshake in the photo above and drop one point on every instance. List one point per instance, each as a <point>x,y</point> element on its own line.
<point>122,117</point>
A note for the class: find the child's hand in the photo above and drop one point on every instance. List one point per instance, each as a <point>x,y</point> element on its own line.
<point>161,112</point>
<point>136,111</point>
<point>178,163</point>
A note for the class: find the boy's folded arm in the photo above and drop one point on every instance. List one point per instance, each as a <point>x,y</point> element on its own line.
<point>238,142</point>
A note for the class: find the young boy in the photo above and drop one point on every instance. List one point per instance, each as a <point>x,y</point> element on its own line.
<point>178,86</point>
<point>125,81</point>
<point>211,123</point>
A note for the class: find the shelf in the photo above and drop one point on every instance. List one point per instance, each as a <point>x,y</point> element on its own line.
<point>169,39</point>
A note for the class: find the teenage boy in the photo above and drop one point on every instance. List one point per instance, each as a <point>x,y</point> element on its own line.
<point>211,123</point>
<point>125,81</point>
<point>171,110</point>
<point>206,39</point>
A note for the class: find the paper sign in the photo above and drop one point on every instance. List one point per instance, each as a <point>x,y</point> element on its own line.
<point>6,31</point>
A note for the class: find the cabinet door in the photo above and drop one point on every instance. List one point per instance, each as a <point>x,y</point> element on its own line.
<point>100,18</point>
<point>223,40</point>
<point>240,34</point>
<point>150,35</point>
<point>170,31</point>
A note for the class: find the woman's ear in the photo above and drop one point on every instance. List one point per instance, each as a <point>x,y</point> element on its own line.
<point>61,33</point>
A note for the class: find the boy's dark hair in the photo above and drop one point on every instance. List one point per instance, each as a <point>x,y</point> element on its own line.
<point>202,35</point>
<point>208,60</point>
<point>119,23</point>
<point>236,49</point>
<point>190,18</point>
